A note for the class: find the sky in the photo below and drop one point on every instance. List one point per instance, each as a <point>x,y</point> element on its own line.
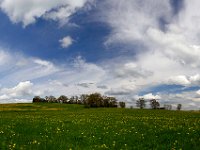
<point>125,48</point>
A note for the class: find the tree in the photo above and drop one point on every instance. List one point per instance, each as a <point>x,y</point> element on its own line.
<point>43,100</point>
<point>72,100</point>
<point>83,98</point>
<point>51,99</point>
<point>112,101</point>
<point>141,103</point>
<point>179,106</point>
<point>122,104</point>
<point>62,99</point>
<point>36,99</point>
<point>154,104</point>
<point>76,99</point>
<point>95,100</point>
<point>109,101</point>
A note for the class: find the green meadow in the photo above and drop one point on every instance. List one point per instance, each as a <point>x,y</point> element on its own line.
<point>46,126</point>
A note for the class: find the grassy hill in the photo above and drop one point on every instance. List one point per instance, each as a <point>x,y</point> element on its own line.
<point>62,126</point>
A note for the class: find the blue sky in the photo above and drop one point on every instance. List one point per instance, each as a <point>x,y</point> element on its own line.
<point>127,49</point>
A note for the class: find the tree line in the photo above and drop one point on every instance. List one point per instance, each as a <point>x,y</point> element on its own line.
<point>88,100</point>
<point>154,104</point>
<point>98,100</point>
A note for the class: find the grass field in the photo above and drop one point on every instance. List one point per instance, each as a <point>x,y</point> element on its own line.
<point>62,126</point>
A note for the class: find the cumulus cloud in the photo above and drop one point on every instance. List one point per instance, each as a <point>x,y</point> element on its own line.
<point>195,79</point>
<point>27,12</point>
<point>23,89</point>
<point>18,73</point>
<point>184,80</point>
<point>66,41</point>
<point>148,96</point>
<point>133,18</point>
<point>151,96</point>
<point>130,69</point>
<point>163,37</point>
<point>180,80</point>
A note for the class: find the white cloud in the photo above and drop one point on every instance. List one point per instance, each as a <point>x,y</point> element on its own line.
<point>195,79</point>
<point>148,96</point>
<point>4,57</point>
<point>184,80</point>
<point>165,49</point>
<point>130,69</point>
<point>66,41</point>
<point>130,19</point>
<point>27,12</point>
<point>23,89</point>
<point>198,92</point>
<point>151,96</point>
<point>16,67</point>
<point>180,80</point>
<point>170,49</point>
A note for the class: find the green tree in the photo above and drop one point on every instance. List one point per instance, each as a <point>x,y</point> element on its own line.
<point>122,104</point>
<point>112,101</point>
<point>36,99</point>
<point>179,106</point>
<point>72,100</point>
<point>154,104</point>
<point>63,99</point>
<point>51,99</point>
<point>109,101</point>
<point>141,103</point>
<point>95,100</point>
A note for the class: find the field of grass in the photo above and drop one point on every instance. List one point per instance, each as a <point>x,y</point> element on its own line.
<point>71,127</point>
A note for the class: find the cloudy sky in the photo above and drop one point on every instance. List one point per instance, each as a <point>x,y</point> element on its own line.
<point>124,48</point>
